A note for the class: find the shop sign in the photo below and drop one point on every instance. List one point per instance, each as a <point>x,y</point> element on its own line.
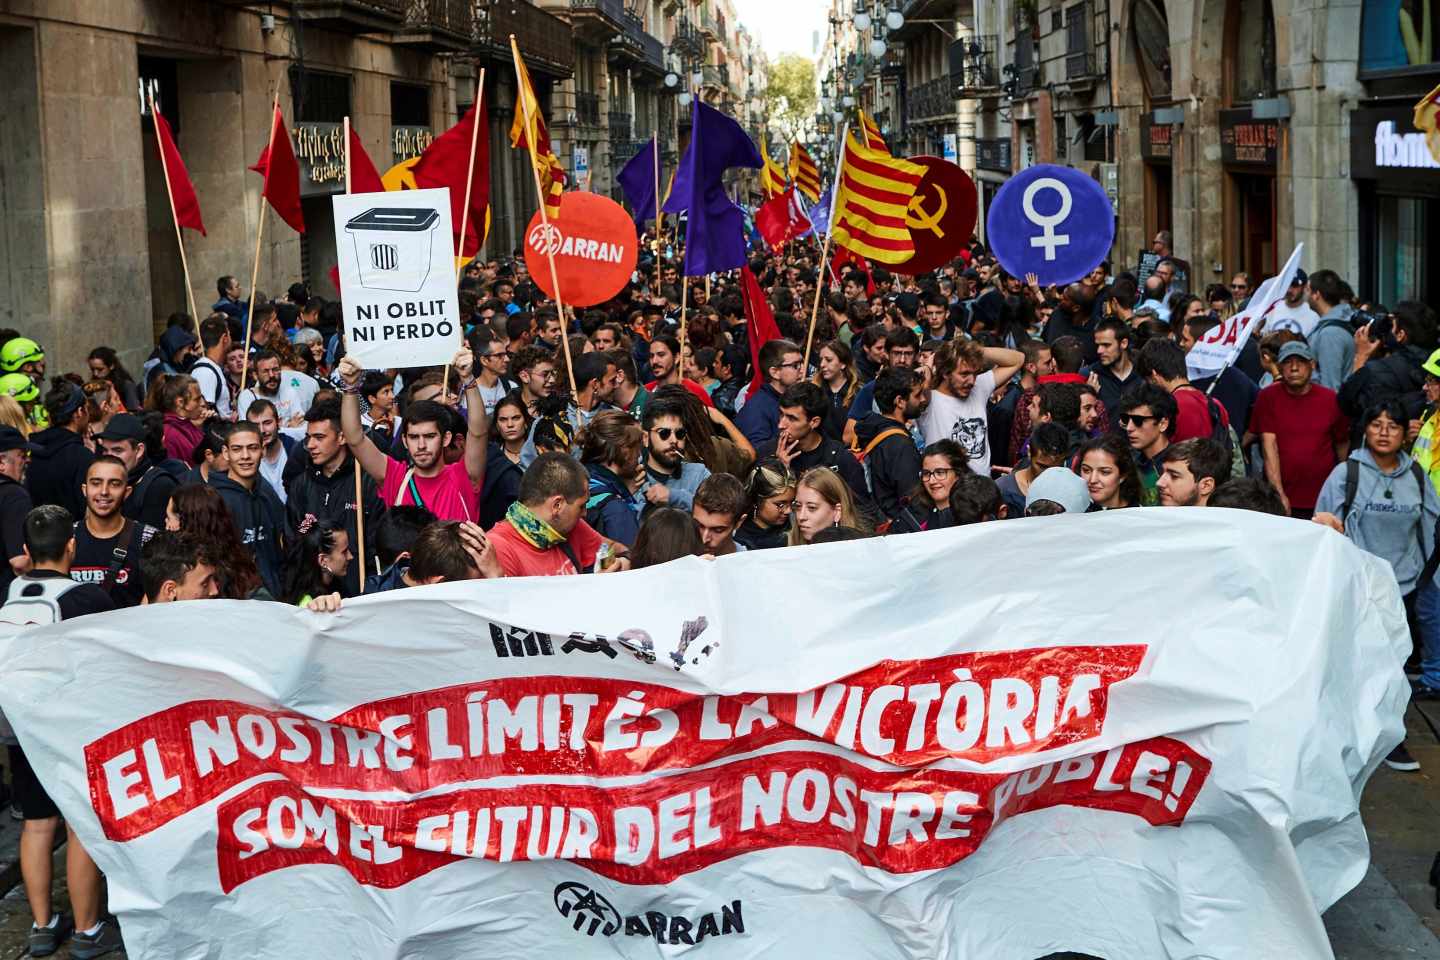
<point>320,148</point>
<point>1248,142</point>
<point>1156,141</point>
<point>408,142</point>
<point>1385,143</point>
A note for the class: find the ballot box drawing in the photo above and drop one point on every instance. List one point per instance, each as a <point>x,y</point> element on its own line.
<point>393,246</point>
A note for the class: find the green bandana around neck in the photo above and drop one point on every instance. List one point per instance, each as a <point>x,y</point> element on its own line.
<point>536,532</point>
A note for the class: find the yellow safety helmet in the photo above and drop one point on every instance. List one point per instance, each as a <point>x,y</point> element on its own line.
<point>18,352</point>
<point>19,386</point>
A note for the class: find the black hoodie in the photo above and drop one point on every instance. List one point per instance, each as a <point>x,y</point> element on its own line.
<point>1399,375</point>
<point>260,517</point>
<point>57,470</point>
<point>893,466</point>
<point>312,493</point>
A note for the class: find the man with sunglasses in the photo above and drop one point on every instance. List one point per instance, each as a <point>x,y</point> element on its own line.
<point>670,479</point>
<point>1240,289</point>
<point>1147,415</point>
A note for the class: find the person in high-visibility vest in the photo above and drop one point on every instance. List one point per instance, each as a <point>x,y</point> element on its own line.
<point>1425,432</point>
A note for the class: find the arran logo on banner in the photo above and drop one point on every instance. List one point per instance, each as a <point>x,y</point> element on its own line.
<point>591,913</point>
<point>971,708</point>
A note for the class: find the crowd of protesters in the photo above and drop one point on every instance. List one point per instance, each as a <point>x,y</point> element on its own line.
<point>250,458</point>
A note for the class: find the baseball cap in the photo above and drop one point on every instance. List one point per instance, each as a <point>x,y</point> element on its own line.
<point>1302,350</point>
<point>123,426</point>
<point>1432,365</point>
<point>12,439</point>
<point>1059,485</point>
<point>1301,278</point>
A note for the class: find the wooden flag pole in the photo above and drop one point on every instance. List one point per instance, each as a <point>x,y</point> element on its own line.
<point>684,300</point>
<point>655,141</point>
<point>259,232</point>
<point>540,197</point>
<point>825,250</point>
<point>465,211</point>
<point>175,218</point>
<point>359,486</point>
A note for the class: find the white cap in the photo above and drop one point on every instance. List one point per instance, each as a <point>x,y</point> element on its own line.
<point>1059,485</point>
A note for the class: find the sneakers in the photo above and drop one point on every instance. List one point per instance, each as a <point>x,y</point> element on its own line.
<point>1398,759</point>
<point>103,941</point>
<point>46,940</point>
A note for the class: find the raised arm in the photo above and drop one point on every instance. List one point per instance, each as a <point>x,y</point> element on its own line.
<point>477,425</point>
<point>371,458</point>
<point>1007,363</point>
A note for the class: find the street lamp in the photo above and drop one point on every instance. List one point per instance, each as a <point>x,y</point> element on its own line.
<point>671,79</point>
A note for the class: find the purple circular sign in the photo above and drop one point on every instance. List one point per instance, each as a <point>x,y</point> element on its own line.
<point>1055,222</point>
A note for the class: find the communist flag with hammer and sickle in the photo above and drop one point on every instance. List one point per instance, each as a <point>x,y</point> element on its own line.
<point>940,215</point>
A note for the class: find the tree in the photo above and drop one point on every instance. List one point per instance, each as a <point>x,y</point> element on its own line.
<point>790,94</point>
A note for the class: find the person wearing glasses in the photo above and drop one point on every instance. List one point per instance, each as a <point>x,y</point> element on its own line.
<point>670,479</point>
<point>782,363</point>
<point>534,367</point>
<point>1147,415</point>
<point>1240,289</point>
<point>492,352</point>
<point>927,507</point>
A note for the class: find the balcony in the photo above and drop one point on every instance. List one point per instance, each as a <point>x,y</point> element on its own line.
<point>993,155</point>
<point>353,16</point>
<point>437,26</point>
<point>621,151</point>
<point>930,101</point>
<point>1080,66</point>
<point>598,18</point>
<point>709,28</point>
<point>638,47</point>
<point>545,41</point>
<point>587,108</point>
<point>711,76</point>
<point>687,41</point>
<point>972,66</point>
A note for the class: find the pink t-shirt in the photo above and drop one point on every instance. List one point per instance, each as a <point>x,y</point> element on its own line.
<point>449,495</point>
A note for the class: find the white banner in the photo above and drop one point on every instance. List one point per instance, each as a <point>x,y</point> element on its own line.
<point>1221,345</point>
<point>778,754</point>
<point>397,277</point>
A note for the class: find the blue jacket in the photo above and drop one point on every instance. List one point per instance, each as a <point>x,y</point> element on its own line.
<point>682,488</point>
<point>759,419</point>
<point>612,509</point>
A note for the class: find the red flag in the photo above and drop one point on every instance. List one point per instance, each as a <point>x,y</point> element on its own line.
<point>364,178</point>
<point>182,191</point>
<point>781,218</point>
<point>760,322</point>
<point>444,164</point>
<point>277,164</point>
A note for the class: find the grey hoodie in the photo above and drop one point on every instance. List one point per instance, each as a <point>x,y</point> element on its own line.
<point>1387,527</point>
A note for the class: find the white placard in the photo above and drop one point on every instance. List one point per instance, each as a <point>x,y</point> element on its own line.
<point>397,277</point>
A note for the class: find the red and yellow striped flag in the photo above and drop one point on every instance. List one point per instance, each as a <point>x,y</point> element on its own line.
<point>772,178</point>
<point>804,172</point>
<point>872,138</point>
<point>874,195</point>
<point>529,130</point>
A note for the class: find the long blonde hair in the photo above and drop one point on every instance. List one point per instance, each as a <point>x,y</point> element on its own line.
<point>834,491</point>
<point>13,415</point>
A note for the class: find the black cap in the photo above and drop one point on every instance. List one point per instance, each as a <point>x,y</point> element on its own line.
<point>12,439</point>
<point>124,426</point>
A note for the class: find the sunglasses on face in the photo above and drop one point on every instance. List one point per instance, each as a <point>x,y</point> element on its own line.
<point>1238,286</point>
<point>1134,419</point>
<point>680,433</point>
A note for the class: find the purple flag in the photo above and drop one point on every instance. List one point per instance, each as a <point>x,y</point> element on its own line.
<point>715,230</point>
<point>637,180</point>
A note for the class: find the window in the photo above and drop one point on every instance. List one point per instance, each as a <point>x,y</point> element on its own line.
<point>1077,42</point>
<point>409,105</point>
<point>320,97</point>
<point>1398,34</point>
<point>1150,31</point>
<point>1252,67</point>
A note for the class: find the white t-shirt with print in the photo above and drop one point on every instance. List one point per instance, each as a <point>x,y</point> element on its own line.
<point>951,418</point>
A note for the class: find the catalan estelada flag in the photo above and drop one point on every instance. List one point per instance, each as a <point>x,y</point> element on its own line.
<point>875,191</point>
<point>803,172</point>
<point>529,130</point>
<point>772,177</point>
<point>872,138</point>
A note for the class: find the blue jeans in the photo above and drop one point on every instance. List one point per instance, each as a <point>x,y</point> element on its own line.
<point>1427,617</point>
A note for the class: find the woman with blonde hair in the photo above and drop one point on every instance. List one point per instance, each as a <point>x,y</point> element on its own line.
<point>822,500</point>
<point>13,415</point>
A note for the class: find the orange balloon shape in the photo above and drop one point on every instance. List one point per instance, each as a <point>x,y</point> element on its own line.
<point>594,245</point>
